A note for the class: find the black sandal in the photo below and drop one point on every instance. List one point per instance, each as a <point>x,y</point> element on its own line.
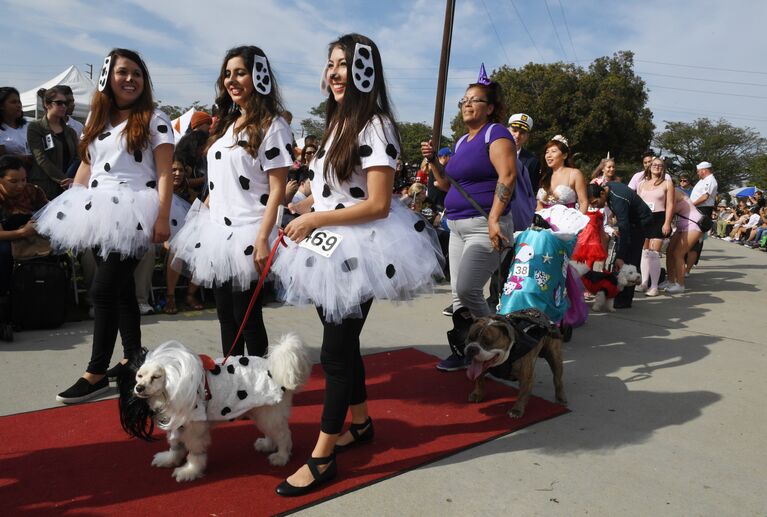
<point>287,490</point>
<point>359,437</point>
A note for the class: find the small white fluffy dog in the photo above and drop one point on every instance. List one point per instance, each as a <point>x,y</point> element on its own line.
<point>184,394</point>
<point>606,286</point>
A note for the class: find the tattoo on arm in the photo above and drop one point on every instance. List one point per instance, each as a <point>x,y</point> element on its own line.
<point>503,192</point>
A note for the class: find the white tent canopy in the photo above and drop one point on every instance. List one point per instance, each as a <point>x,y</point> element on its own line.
<point>181,124</point>
<point>82,88</point>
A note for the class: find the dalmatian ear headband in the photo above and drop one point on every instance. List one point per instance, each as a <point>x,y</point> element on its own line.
<point>363,70</point>
<point>104,76</point>
<point>262,79</point>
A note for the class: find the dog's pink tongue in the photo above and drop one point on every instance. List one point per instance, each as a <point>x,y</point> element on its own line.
<point>474,370</point>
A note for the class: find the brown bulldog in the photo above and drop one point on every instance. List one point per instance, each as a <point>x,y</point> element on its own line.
<point>518,338</point>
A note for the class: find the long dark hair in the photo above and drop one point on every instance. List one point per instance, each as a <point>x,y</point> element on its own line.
<point>261,109</point>
<point>345,121</point>
<point>136,130</point>
<point>5,92</point>
<point>49,94</point>
<point>190,147</point>
<point>545,182</point>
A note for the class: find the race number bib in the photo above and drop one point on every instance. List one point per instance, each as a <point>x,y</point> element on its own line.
<point>521,269</point>
<point>322,242</point>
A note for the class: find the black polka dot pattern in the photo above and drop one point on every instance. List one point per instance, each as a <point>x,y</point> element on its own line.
<point>151,184</point>
<point>115,200</point>
<point>357,192</point>
<point>174,222</point>
<point>326,191</point>
<point>107,167</point>
<point>244,361</point>
<point>272,153</point>
<point>225,411</point>
<point>339,206</point>
<point>244,183</point>
<point>391,151</point>
<point>162,128</point>
<point>60,215</point>
<point>310,262</point>
<point>216,370</point>
<point>242,143</point>
<point>94,183</point>
<point>290,150</point>
<point>420,226</point>
<point>138,156</point>
<point>365,151</point>
<point>390,270</point>
<point>349,265</point>
<point>310,174</point>
<point>264,199</point>
<point>139,227</point>
<point>88,205</point>
<point>242,394</point>
<point>197,246</point>
<point>230,369</point>
<point>218,155</point>
<point>320,153</point>
<point>102,136</point>
<point>210,185</point>
<point>227,221</point>
<point>249,250</point>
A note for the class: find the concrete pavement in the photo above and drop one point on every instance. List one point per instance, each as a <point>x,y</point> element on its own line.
<point>666,398</point>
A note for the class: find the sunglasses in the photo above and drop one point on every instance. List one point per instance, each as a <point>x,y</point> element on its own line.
<point>469,102</point>
<point>59,103</point>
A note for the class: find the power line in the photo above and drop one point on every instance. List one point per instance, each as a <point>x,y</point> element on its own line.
<point>709,92</point>
<point>702,67</point>
<point>553,26</point>
<point>567,27</point>
<point>705,79</point>
<point>675,109</point>
<point>503,47</point>
<point>524,25</point>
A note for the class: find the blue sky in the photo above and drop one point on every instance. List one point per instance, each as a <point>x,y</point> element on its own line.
<point>698,58</point>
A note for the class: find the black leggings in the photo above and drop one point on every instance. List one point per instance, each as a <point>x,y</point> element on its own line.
<point>115,308</point>
<point>231,306</point>
<point>344,370</point>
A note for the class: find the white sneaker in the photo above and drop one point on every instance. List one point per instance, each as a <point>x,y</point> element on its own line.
<point>640,288</point>
<point>145,308</point>
<point>653,291</point>
<point>664,284</point>
<point>675,289</point>
<point>727,239</point>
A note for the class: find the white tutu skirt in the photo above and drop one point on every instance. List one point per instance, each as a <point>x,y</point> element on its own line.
<point>211,253</point>
<point>113,220</point>
<point>388,259</point>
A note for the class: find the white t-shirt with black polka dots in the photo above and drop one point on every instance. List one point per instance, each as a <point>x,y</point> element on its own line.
<point>112,164</point>
<point>238,182</point>
<point>378,146</point>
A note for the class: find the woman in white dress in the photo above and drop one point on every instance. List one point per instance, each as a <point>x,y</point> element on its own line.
<point>225,241</point>
<point>366,245</point>
<point>119,204</point>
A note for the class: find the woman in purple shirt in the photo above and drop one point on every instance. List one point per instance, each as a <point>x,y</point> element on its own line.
<point>484,164</point>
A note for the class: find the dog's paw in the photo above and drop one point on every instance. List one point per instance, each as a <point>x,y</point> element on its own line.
<point>476,396</point>
<point>562,400</point>
<point>187,473</point>
<point>517,412</point>
<point>166,459</point>
<point>279,459</point>
<point>264,445</point>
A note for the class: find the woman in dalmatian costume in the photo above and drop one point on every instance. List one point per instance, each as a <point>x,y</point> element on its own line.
<point>119,205</point>
<point>377,248</point>
<point>225,241</point>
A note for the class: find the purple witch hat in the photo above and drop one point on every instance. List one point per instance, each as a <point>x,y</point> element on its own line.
<point>483,79</point>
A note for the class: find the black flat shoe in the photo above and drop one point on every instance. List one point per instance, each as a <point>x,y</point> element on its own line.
<point>115,371</point>
<point>285,489</point>
<point>359,437</point>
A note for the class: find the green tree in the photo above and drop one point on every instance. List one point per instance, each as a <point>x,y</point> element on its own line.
<point>315,125</point>
<point>600,109</point>
<point>733,151</point>
<point>411,135</point>
<point>758,171</point>
<point>176,111</point>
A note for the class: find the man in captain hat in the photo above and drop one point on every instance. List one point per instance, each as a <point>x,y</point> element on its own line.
<point>520,125</point>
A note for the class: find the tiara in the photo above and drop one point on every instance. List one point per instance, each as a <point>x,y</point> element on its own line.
<point>561,139</point>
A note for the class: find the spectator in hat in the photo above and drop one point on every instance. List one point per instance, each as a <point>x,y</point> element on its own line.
<point>703,196</point>
<point>520,125</point>
<point>201,121</point>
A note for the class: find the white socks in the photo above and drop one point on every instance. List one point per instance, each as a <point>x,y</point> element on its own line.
<point>650,267</point>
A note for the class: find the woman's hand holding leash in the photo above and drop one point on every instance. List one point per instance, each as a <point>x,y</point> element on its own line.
<point>298,229</point>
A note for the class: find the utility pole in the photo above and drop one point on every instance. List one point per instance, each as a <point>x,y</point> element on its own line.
<point>90,70</point>
<point>444,63</point>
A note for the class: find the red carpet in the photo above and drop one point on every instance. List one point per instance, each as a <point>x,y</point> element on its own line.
<point>77,461</point>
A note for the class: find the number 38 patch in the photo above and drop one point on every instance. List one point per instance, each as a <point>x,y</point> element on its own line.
<point>322,242</point>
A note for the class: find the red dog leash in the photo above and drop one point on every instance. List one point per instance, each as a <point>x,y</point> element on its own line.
<point>259,286</point>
